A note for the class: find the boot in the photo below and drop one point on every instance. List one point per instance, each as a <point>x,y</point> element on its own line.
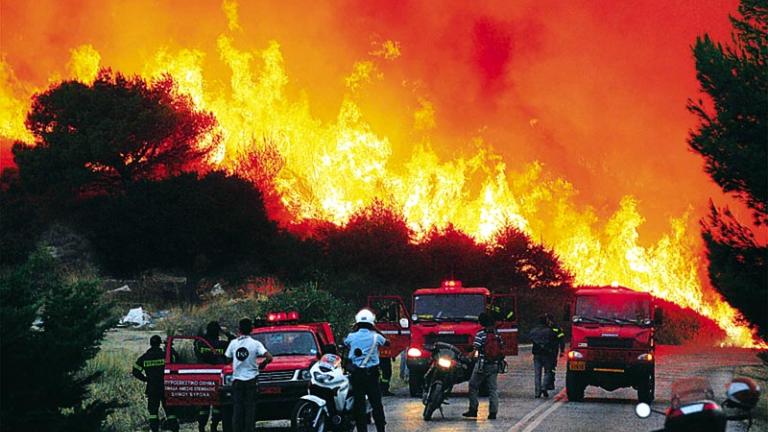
<point>470,414</point>
<point>491,416</point>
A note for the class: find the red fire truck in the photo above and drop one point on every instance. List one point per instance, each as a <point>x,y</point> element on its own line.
<point>448,314</point>
<point>295,347</point>
<point>612,341</point>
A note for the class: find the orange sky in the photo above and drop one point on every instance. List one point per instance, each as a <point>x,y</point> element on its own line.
<point>596,90</point>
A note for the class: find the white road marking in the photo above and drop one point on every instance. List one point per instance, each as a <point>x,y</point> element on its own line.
<point>550,406</point>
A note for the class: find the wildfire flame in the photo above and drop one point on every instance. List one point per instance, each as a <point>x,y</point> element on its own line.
<point>334,167</point>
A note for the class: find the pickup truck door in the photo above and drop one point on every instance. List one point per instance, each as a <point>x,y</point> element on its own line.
<point>390,311</point>
<point>188,380</point>
<point>504,307</point>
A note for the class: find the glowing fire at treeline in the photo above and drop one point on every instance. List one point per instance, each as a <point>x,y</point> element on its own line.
<point>330,167</point>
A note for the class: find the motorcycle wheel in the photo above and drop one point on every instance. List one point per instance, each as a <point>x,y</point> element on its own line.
<point>302,416</point>
<point>646,390</point>
<point>434,399</point>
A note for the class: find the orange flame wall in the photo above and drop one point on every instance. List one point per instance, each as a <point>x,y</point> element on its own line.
<point>567,119</point>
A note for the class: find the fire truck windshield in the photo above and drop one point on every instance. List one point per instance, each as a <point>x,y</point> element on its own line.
<point>447,307</point>
<point>286,343</point>
<point>612,310</point>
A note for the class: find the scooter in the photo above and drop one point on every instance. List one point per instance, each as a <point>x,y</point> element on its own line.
<point>693,406</point>
<point>448,367</point>
<point>330,402</point>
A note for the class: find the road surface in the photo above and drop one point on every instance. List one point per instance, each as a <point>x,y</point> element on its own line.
<point>600,411</point>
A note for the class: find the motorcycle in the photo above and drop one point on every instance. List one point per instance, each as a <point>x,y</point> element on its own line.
<point>448,367</point>
<point>330,402</point>
<point>693,406</point>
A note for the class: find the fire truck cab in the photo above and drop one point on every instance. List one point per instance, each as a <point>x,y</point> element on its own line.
<point>612,341</point>
<point>295,347</point>
<point>448,313</point>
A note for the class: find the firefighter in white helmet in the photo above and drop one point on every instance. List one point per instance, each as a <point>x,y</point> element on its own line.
<point>363,344</point>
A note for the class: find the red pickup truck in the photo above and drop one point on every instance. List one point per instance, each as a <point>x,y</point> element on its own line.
<point>295,347</point>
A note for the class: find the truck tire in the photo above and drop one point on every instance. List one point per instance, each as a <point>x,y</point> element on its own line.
<point>433,400</point>
<point>574,387</point>
<point>415,384</point>
<point>646,389</point>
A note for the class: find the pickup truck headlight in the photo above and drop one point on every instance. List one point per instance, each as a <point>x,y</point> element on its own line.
<point>645,357</point>
<point>305,375</point>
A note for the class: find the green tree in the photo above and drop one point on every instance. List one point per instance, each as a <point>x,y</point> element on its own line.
<point>732,136</point>
<point>72,323</point>
<point>100,137</point>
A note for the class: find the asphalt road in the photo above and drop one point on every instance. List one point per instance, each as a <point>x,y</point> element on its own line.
<point>600,410</point>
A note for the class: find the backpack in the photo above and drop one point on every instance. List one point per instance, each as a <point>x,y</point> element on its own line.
<point>492,347</point>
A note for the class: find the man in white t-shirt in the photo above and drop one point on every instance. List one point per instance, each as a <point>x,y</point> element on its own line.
<point>243,352</point>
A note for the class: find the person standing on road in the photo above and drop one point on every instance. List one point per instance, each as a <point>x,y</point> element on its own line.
<point>488,345</point>
<point>363,344</point>
<point>243,353</point>
<point>211,355</point>
<point>543,339</point>
<point>558,346</point>
<point>150,368</point>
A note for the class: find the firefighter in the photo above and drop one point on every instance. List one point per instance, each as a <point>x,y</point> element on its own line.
<point>390,315</point>
<point>543,339</point>
<point>214,355</point>
<point>363,344</point>
<point>243,353</point>
<point>488,346</point>
<point>558,346</point>
<point>150,368</point>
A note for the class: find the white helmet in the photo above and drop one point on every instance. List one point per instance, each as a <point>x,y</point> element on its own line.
<point>365,316</point>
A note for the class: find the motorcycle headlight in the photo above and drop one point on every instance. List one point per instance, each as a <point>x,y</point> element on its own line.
<point>322,378</point>
<point>444,362</point>
<point>414,352</point>
<point>304,375</point>
<point>645,357</point>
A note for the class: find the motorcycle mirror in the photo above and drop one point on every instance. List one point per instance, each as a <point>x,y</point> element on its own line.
<point>404,323</point>
<point>643,410</point>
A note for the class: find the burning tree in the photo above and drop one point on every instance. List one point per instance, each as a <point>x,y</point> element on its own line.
<point>732,139</point>
<point>103,136</point>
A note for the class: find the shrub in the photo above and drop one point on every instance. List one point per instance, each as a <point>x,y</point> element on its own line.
<point>72,324</point>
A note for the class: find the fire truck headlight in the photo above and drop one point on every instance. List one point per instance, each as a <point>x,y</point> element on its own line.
<point>645,357</point>
<point>574,355</point>
<point>444,362</point>
<point>414,352</point>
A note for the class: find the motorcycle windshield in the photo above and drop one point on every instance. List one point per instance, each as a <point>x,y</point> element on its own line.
<point>687,390</point>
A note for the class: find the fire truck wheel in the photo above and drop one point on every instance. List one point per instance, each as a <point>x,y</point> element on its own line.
<point>574,388</point>
<point>415,384</point>
<point>646,390</point>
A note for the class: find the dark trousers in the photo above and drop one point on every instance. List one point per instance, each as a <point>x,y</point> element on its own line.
<point>154,399</point>
<point>542,364</point>
<point>202,417</point>
<point>386,373</point>
<point>365,382</point>
<point>244,405</point>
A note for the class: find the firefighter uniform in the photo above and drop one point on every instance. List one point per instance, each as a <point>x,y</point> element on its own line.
<point>213,355</point>
<point>559,345</point>
<point>150,368</point>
